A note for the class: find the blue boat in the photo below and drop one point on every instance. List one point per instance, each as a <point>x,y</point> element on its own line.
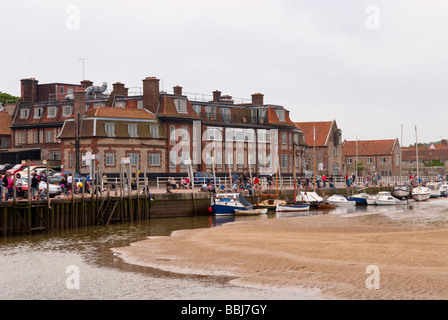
<point>360,198</point>
<point>227,203</point>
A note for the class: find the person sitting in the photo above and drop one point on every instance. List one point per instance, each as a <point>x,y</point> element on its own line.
<point>204,187</point>
<point>183,183</point>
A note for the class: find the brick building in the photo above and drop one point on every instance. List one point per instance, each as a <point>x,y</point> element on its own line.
<point>432,160</point>
<point>374,156</point>
<point>158,130</point>
<point>323,149</point>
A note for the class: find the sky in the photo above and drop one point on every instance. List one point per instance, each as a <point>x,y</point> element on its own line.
<point>379,68</point>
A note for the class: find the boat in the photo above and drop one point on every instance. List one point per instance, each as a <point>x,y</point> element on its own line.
<point>295,207</point>
<point>339,200</point>
<point>421,193</point>
<point>435,189</point>
<point>360,198</point>
<point>250,212</point>
<point>401,191</point>
<point>227,203</point>
<point>270,203</point>
<point>310,197</point>
<point>444,189</point>
<point>386,198</point>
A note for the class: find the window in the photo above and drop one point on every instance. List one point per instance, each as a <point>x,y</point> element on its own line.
<point>132,130</point>
<point>99,104</point>
<point>35,137</point>
<point>210,111</point>
<point>181,105</point>
<point>214,134</point>
<point>48,136</point>
<point>208,159</point>
<point>69,90</point>
<point>120,104</point>
<point>54,155</point>
<point>335,169</point>
<point>21,137</point>
<point>264,135</point>
<point>284,161</point>
<point>369,160</point>
<point>239,135</point>
<point>110,159</point>
<point>382,160</point>
<point>249,135</point>
<point>219,159</point>
<point>61,89</point>
<point>284,138</point>
<point>154,131</point>
<point>261,114</point>
<point>24,113</point>
<point>335,151</point>
<point>397,159</point>
<point>70,159</point>
<point>109,129</point>
<point>140,104</point>
<point>66,111</point>
<point>197,108</point>
<point>172,134</point>
<point>349,160</point>
<point>225,113</point>
<point>254,115</point>
<point>185,135</point>
<point>240,160</point>
<point>173,156</point>
<point>37,112</point>
<point>154,159</point>
<point>51,112</point>
<point>280,114</point>
<point>134,158</point>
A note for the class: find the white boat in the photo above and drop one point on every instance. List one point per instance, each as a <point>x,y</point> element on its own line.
<point>339,200</point>
<point>386,198</point>
<point>421,193</point>
<point>227,203</point>
<point>250,212</point>
<point>401,191</point>
<point>310,197</point>
<point>360,198</point>
<point>435,189</point>
<point>292,207</point>
<point>444,189</point>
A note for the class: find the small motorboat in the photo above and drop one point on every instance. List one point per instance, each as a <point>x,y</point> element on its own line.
<point>386,198</point>
<point>250,212</point>
<point>360,198</point>
<point>295,207</point>
<point>340,200</point>
<point>444,189</point>
<point>401,191</point>
<point>421,193</point>
<point>435,189</point>
<point>270,203</point>
<point>227,203</point>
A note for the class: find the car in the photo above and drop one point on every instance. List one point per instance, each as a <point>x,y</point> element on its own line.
<point>56,176</point>
<point>4,168</point>
<point>19,167</point>
<point>202,177</point>
<point>38,168</point>
<point>54,190</point>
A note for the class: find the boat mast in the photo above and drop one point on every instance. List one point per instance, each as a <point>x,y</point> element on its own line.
<point>416,150</point>
<point>294,172</point>
<point>356,178</point>
<point>314,151</point>
<point>401,154</point>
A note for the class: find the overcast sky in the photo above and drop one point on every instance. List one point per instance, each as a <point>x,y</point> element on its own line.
<point>373,66</point>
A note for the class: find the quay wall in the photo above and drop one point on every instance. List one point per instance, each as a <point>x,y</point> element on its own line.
<point>22,217</point>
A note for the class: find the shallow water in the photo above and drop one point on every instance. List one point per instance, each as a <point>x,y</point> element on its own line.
<point>42,266</point>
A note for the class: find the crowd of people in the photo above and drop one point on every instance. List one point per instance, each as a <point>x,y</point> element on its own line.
<point>12,185</point>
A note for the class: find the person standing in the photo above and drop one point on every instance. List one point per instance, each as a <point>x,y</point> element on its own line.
<point>10,187</point>
<point>34,187</point>
<point>19,185</point>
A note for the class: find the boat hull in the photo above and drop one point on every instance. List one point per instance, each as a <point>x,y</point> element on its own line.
<point>359,201</point>
<point>253,212</point>
<point>421,194</point>
<point>293,207</point>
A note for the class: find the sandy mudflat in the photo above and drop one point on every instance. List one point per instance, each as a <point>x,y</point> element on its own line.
<point>327,253</point>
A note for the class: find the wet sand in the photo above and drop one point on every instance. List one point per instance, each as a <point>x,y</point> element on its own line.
<point>327,255</point>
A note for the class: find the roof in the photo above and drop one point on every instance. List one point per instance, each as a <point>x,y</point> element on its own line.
<point>5,121</point>
<point>108,112</point>
<point>369,147</point>
<point>410,154</point>
<point>322,132</point>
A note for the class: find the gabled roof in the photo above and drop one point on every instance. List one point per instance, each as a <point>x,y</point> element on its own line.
<point>369,147</point>
<point>108,112</point>
<point>426,154</point>
<point>322,129</point>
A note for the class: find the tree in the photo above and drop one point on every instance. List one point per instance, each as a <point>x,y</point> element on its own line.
<point>7,98</point>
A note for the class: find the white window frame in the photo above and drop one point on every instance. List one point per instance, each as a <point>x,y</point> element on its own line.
<point>154,159</point>
<point>140,104</point>
<point>37,112</point>
<point>120,104</point>
<point>134,158</point>
<point>154,131</point>
<point>109,159</point>
<point>109,130</point>
<point>225,113</point>
<point>49,136</point>
<point>24,113</point>
<point>210,111</point>
<point>383,160</point>
<point>51,112</point>
<point>132,130</point>
<point>181,105</point>
<point>369,160</point>
<point>67,111</point>
<point>280,114</point>
<point>349,161</point>
<point>21,137</point>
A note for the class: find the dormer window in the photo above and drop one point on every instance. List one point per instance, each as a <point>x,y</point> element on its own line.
<point>51,112</point>
<point>211,111</point>
<point>38,112</point>
<point>120,104</point>
<point>181,105</point>
<point>132,130</point>
<point>66,111</point>
<point>109,129</point>
<point>24,113</point>
<point>280,114</point>
<point>225,113</point>
<point>197,109</point>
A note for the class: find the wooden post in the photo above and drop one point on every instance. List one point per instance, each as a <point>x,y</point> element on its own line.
<point>48,185</point>
<point>14,193</point>
<point>29,182</point>
<point>130,191</point>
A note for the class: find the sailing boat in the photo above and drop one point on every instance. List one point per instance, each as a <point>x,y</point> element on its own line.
<point>402,190</point>
<point>419,193</point>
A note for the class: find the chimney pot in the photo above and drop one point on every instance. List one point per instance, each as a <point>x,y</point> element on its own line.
<point>257,99</point>
<point>216,96</point>
<point>177,90</point>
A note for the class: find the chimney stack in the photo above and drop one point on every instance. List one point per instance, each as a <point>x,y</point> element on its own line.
<point>151,94</point>
<point>79,108</point>
<point>28,88</point>
<point>177,90</point>
<point>443,142</point>
<point>216,96</point>
<point>119,89</point>
<point>86,83</point>
<point>257,99</point>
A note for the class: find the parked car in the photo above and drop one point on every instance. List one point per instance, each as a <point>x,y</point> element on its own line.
<point>202,177</point>
<point>38,168</point>
<point>54,190</point>
<point>4,168</point>
<point>55,177</point>
<point>19,167</point>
